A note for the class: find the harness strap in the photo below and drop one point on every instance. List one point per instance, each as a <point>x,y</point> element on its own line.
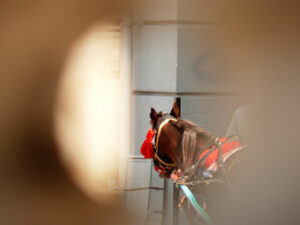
<point>220,163</point>
<point>157,142</point>
<point>163,162</point>
<point>191,171</point>
<point>199,166</point>
<point>159,130</point>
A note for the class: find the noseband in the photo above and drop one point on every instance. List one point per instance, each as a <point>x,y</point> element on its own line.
<point>164,163</point>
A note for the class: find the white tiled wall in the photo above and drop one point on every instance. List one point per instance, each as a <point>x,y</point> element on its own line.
<point>138,173</point>
<point>154,58</point>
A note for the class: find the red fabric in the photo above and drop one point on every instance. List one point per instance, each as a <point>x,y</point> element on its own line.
<point>147,148</point>
<point>213,156</point>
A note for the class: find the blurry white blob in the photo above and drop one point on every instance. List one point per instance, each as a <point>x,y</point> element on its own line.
<point>87,111</point>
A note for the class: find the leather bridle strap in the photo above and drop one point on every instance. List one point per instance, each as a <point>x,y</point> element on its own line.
<point>157,141</point>
<point>163,162</point>
<point>159,130</point>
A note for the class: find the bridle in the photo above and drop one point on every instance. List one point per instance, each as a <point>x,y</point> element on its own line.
<point>164,163</point>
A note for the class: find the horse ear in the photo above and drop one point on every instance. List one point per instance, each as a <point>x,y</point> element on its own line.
<point>153,115</point>
<point>175,110</point>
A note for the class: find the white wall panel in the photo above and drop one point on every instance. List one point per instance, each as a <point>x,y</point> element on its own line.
<point>154,58</point>
<point>156,181</point>
<point>138,173</point>
<point>212,113</point>
<point>201,67</point>
<point>137,204</point>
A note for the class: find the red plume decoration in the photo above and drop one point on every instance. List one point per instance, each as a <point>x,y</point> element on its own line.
<point>147,148</point>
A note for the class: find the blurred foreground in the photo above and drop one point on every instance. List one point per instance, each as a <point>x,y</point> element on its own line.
<point>36,186</point>
<point>261,42</point>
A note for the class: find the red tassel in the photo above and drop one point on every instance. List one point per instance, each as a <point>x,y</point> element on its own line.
<point>147,148</point>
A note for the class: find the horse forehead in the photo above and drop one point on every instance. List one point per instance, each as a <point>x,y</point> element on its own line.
<point>169,131</point>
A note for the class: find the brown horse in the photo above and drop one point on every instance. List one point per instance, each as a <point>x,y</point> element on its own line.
<point>180,140</point>
<point>178,145</point>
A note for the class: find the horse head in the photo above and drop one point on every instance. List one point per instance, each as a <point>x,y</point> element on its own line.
<point>166,140</point>
<point>177,141</point>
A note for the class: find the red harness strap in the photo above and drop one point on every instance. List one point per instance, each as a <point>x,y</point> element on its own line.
<point>227,149</point>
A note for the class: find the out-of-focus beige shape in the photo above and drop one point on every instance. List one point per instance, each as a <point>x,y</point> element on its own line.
<point>87,112</point>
